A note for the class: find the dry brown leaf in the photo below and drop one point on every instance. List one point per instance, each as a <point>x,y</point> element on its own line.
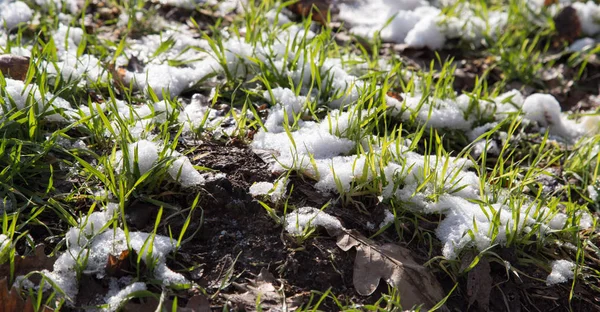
<point>270,298</point>
<point>117,265</point>
<point>567,24</point>
<point>26,264</point>
<point>320,9</point>
<point>14,66</point>
<point>479,285</point>
<point>11,301</point>
<point>395,265</point>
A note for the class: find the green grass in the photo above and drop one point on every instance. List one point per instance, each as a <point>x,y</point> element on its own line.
<point>46,183</point>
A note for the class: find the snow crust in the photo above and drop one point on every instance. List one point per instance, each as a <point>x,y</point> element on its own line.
<point>562,271</point>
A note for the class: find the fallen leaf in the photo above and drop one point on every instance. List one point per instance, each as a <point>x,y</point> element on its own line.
<point>395,265</point>
<point>26,264</point>
<point>93,292</point>
<point>14,66</point>
<point>395,95</point>
<point>320,9</point>
<point>116,266</point>
<point>479,285</point>
<point>271,299</point>
<point>567,24</point>
<point>11,301</point>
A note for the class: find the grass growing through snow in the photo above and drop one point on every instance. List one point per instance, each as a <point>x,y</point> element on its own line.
<point>38,156</point>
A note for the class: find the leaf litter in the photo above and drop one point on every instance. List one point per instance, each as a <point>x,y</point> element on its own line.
<point>390,262</point>
<point>262,293</point>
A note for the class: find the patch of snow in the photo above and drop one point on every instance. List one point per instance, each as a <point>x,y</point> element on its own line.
<point>590,124</point>
<point>16,94</point>
<point>287,105</point>
<point>545,110</point>
<point>388,219</point>
<point>562,271</point>
<point>14,13</point>
<point>419,24</point>
<point>95,240</point>
<point>182,171</point>
<point>71,5</point>
<point>297,221</point>
<point>260,188</point>
<point>4,245</point>
<point>114,300</point>
<point>582,44</point>
<point>592,192</point>
<point>86,68</point>
<point>275,190</point>
<point>147,154</point>
<point>67,39</point>
<point>589,17</point>
<point>426,33</point>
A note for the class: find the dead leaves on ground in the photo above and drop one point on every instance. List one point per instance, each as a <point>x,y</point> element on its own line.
<point>567,24</point>
<point>11,301</point>
<point>14,66</point>
<point>26,264</point>
<point>262,292</point>
<point>479,281</point>
<point>320,9</point>
<point>393,264</point>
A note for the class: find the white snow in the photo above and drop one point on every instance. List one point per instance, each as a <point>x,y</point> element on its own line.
<point>4,246</point>
<point>582,44</point>
<point>388,219</point>
<point>545,110</point>
<point>418,24</point>
<point>562,271</point>
<point>71,5</point>
<point>592,192</point>
<point>589,17</point>
<point>297,221</point>
<point>86,68</point>
<point>16,95</point>
<point>182,171</point>
<point>14,13</point>
<point>114,300</point>
<point>147,154</point>
<point>221,6</point>
<point>274,190</point>
<point>95,239</point>
<point>426,33</point>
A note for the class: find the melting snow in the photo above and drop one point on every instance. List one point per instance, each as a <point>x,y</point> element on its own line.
<point>562,271</point>
<point>95,239</point>
<point>297,222</point>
